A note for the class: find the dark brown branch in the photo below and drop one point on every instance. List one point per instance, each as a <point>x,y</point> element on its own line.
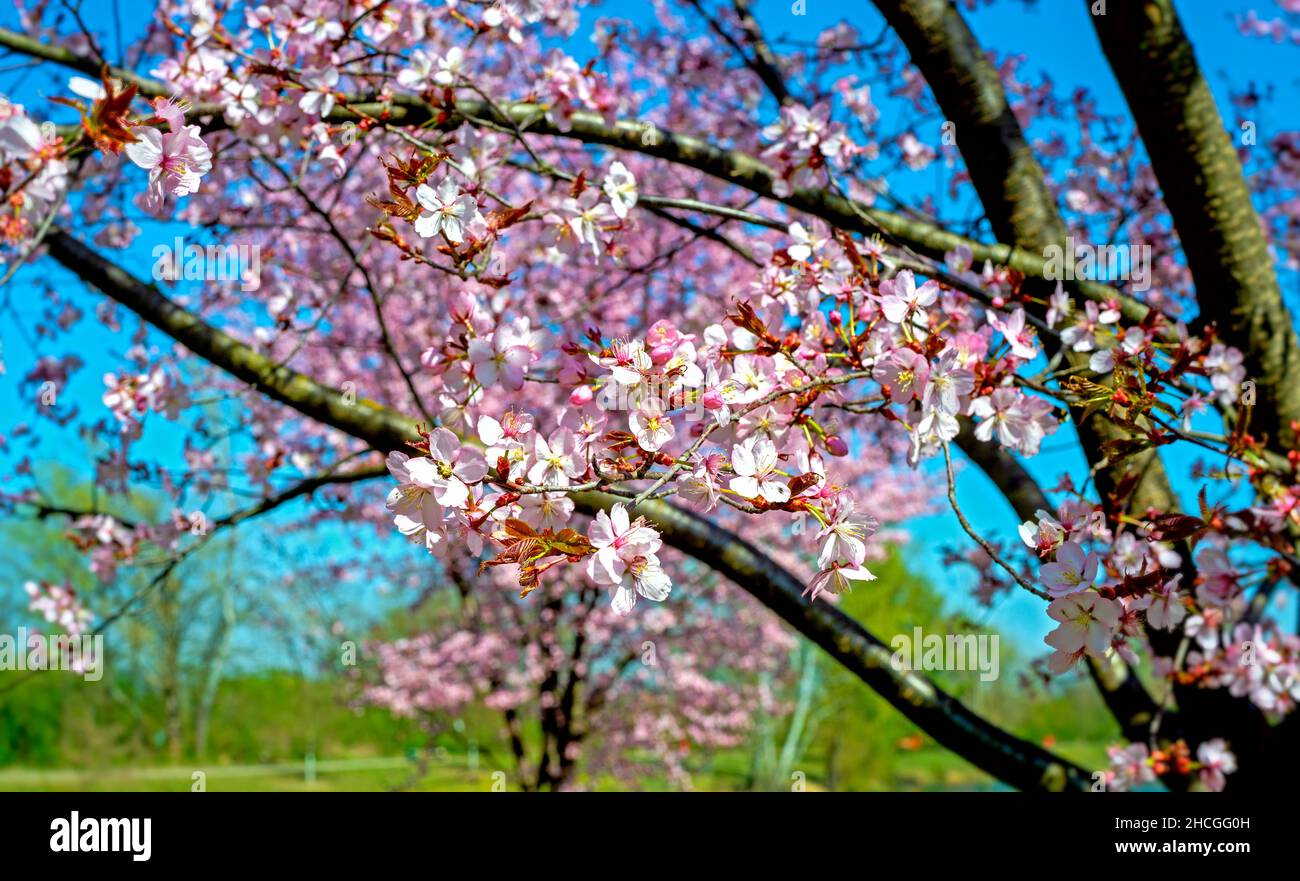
<point>731,166</point>
<point>1201,180</point>
<point>953,725</point>
<point>362,418</point>
<point>1013,190</point>
<point>1202,183</point>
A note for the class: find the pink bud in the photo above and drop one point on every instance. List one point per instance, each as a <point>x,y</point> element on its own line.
<point>581,396</point>
<point>660,355</point>
<point>712,399</point>
<point>662,333</point>
<point>836,446</point>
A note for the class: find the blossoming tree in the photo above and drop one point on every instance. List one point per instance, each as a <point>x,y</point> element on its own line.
<point>593,304</point>
<point>604,689</point>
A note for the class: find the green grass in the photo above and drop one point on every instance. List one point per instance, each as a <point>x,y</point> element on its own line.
<point>440,777</point>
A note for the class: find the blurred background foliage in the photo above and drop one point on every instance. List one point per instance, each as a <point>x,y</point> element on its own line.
<point>191,686</point>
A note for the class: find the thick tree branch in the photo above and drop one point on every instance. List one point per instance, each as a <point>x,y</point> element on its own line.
<point>1013,190</point>
<point>969,90</point>
<point>25,45</point>
<point>732,166</point>
<point>304,487</point>
<point>764,62</point>
<point>364,419</point>
<point>1201,180</point>
<point>1202,183</point>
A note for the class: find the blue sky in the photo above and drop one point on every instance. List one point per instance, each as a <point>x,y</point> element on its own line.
<point>1056,38</point>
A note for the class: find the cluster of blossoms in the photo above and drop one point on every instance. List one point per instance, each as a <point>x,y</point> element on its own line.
<point>659,687</point>
<point>581,225</point>
<point>673,395</point>
<point>1140,580</point>
<point>129,398</point>
<point>111,543</point>
<point>108,542</point>
<point>735,415</point>
<point>60,605</point>
<point>567,87</point>
<point>467,663</point>
<point>1135,764</point>
<point>442,494</point>
<point>34,158</point>
<point>1250,660</point>
<point>805,144</point>
<point>33,171</point>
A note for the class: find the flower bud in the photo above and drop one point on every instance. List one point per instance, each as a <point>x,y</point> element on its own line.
<point>660,355</point>
<point>581,396</point>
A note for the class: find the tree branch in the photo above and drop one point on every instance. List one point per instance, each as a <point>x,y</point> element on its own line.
<point>1201,181</point>
<point>364,419</point>
<point>1013,191</point>
<point>732,166</point>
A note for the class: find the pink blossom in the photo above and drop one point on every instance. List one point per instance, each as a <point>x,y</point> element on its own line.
<point>756,466</point>
<point>496,360</point>
<point>448,469</point>
<point>176,162</point>
<point>902,301</point>
<point>626,547</point>
<point>1043,535</point>
<point>1217,761</point>
<point>651,426</point>
<point>905,372</point>
<point>1017,333</point>
<point>446,210</point>
<point>1087,623</point>
<point>557,460</point>
<point>1073,570</point>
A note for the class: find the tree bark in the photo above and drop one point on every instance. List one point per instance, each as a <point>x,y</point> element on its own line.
<point>1201,180</point>
<point>1013,191</point>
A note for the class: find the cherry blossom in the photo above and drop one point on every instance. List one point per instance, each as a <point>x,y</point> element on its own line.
<point>448,469</point>
<point>570,260</point>
<point>1073,571</point>
<point>626,547</point>
<point>1087,625</point>
<point>557,461</point>
<point>176,161</point>
<point>446,210</point>
<point>1216,762</point>
<point>902,301</point>
<point>620,187</point>
<point>757,471</point>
